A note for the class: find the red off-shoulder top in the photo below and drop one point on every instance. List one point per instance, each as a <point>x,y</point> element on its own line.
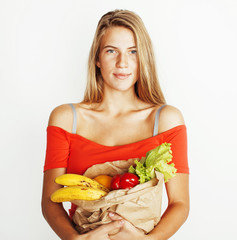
<point>76,153</point>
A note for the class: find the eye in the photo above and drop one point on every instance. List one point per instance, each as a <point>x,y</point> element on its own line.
<point>134,52</point>
<point>110,51</point>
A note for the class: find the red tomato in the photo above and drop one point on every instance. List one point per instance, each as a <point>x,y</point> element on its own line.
<point>115,183</point>
<point>128,180</point>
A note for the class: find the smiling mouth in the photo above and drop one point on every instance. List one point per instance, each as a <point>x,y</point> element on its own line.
<point>121,75</point>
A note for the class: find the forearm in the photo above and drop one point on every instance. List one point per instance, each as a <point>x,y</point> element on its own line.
<point>172,219</point>
<point>59,221</point>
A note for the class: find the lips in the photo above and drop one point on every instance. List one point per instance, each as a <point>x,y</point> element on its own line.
<point>121,75</point>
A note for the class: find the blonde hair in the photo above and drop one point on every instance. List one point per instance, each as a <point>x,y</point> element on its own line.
<point>147,87</point>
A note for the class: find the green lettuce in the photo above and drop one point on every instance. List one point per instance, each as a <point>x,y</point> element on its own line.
<point>156,159</point>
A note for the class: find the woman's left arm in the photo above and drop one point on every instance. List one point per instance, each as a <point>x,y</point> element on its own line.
<point>177,210</point>
<point>177,188</point>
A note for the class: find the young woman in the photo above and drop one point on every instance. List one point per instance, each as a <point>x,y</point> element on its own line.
<point>123,115</point>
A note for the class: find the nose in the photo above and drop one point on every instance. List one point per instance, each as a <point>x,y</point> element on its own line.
<point>122,61</point>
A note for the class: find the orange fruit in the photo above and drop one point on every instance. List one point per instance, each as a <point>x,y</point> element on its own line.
<point>104,180</point>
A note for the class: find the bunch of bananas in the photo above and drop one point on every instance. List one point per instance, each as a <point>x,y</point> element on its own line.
<point>77,187</point>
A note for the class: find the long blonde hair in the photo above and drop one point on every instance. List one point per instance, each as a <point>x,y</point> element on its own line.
<point>147,87</point>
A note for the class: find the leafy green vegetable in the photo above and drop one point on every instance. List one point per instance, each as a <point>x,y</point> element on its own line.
<point>156,159</point>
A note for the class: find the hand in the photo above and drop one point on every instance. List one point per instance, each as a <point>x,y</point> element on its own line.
<point>102,232</point>
<point>127,231</point>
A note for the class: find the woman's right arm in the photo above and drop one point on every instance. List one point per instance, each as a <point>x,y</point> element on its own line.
<point>54,213</point>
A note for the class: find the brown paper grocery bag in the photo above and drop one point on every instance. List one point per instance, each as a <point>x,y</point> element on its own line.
<point>140,205</point>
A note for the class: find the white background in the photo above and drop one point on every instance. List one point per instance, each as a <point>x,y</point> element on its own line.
<point>44,47</point>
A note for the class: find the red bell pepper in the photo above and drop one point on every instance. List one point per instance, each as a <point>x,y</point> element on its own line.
<point>124,181</point>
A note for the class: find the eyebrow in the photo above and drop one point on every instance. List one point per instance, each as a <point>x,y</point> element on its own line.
<point>110,46</point>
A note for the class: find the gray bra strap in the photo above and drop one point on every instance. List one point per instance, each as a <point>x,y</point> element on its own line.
<point>155,131</point>
<point>74,124</point>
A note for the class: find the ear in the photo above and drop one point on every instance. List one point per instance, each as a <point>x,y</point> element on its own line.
<point>98,64</point>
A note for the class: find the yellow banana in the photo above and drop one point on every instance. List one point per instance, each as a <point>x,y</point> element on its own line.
<point>67,194</point>
<point>79,180</point>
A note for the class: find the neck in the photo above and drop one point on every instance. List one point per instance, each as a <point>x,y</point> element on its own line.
<point>116,102</point>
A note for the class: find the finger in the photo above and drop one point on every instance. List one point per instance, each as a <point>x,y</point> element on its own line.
<point>114,216</point>
<point>107,228</point>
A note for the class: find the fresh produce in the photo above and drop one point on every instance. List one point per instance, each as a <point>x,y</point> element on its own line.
<point>79,180</point>
<point>104,180</point>
<point>78,187</point>
<point>77,193</point>
<point>115,183</point>
<point>156,159</point>
<point>124,181</point>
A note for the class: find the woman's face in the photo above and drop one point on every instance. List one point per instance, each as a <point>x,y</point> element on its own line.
<point>118,60</point>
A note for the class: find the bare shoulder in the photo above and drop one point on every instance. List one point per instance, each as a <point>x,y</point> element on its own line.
<point>170,117</point>
<point>62,116</point>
